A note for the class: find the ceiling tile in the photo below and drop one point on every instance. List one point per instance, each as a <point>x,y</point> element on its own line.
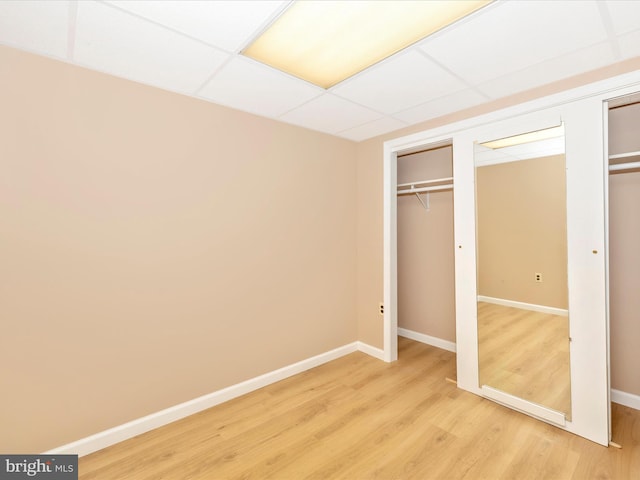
<point>372,129</point>
<point>255,88</point>
<point>399,83</point>
<point>224,24</point>
<point>184,46</point>
<point>630,44</point>
<point>115,42</point>
<point>549,71</point>
<point>510,36</point>
<point>330,114</point>
<point>441,106</point>
<point>39,26</point>
<point>625,15</point>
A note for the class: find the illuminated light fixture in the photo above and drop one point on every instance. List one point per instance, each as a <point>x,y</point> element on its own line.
<point>325,42</point>
<point>545,134</point>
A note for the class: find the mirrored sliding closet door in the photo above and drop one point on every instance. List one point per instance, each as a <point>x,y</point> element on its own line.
<point>521,265</point>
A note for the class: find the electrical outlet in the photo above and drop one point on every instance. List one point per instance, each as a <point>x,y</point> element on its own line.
<point>538,277</point>
<point>381,308</point>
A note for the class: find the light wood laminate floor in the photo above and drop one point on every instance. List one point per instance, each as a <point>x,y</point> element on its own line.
<point>526,354</point>
<point>359,418</point>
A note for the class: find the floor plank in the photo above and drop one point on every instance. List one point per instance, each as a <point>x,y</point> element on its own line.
<point>359,418</point>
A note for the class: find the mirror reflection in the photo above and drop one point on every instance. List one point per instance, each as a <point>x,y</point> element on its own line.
<point>523,327</point>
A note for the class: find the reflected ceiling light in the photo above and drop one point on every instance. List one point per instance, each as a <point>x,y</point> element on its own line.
<point>526,137</point>
<point>324,41</point>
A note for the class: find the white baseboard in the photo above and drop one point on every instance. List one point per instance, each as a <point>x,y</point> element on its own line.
<point>369,350</point>
<point>128,430</point>
<point>524,306</point>
<point>627,399</point>
<point>428,339</point>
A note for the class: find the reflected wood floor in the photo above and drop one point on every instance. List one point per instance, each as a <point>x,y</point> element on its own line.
<point>525,353</point>
<point>359,418</point>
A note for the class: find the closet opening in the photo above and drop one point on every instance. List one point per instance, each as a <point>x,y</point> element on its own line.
<point>425,245</point>
<point>623,254</point>
<point>426,300</point>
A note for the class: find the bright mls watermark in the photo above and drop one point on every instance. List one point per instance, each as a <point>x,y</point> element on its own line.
<point>50,467</point>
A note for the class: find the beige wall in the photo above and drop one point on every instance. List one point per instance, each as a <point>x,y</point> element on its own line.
<point>426,301</point>
<point>369,236</point>
<point>155,248</point>
<point>521,230</point>
<point>624,254</point>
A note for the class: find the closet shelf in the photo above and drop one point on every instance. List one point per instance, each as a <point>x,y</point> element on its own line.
<point>633,164</point>
<point>426,182</point>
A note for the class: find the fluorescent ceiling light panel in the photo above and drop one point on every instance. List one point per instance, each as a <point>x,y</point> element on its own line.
<point>526,137</point>
<point>325,42</point>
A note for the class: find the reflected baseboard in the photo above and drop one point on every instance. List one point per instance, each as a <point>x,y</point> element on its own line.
<point>428,339</point>
<point>627,399</point>
<point>524,306</point>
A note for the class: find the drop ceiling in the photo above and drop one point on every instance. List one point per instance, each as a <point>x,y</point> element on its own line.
<point>192,47</point>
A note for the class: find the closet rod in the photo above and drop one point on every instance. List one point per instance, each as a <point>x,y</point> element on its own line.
<point>624,166</point>
<point>425,189</point>
<point>424,182</point>
<point>624,155</point>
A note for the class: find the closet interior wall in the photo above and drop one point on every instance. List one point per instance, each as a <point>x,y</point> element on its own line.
<point>426,301</point>
<point>624,253</point>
